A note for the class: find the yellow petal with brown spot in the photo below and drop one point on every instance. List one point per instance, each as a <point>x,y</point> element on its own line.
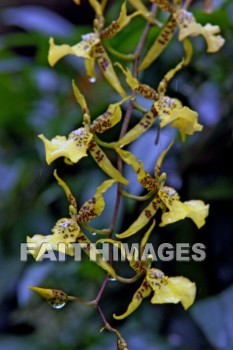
<point>146,215</point>
<point>69,195</point>
<point>189,27</point>
<point>160,44</point>
<point>94,206</point>
<point>143,292</point>
<point>107,69</point>
<point>171,289</point>
<point>74,147</point>
<point>104,163</point>
<point>82,49</point>
<point>80,98</point>
<point>51,295</point>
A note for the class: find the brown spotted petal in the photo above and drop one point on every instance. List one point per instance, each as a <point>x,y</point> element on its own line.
<point>145,123</point>
<point>94,206</point>
<point>144,178</point>
<point>160,43</point>
<point>69,195</point>
<point>116,26</point>
<point>143,292</point>
<point>55,296</point>
<point>143,89</point>
<point>146,215</point>
<point>74,147</point>
<point>104,163</point>
<point>63,234</point>
<point>171,289</point>
<point>107,69</point>
<point>189,27</point>
<point>109,118</point>
<point>82,49</point>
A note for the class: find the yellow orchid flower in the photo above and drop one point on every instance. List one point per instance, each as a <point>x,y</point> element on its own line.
<point>163,197</point>
<point>67,231</point>
<point>80,141</point>
<point>196,210</point>
<point>91,49</point>
<point>189,27</point>
<point>171,111</point>
<point>166,290</point>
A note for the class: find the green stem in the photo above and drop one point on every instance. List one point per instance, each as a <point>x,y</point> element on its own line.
<point>137,198</point>
<point>94,230</point>
<point>126,57</point>
<point>103,143</point>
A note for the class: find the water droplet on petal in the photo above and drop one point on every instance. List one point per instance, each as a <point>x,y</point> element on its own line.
<point>92,80</point>
<point>93,233</point>
<point>132,99</point>
<point>57,305</point>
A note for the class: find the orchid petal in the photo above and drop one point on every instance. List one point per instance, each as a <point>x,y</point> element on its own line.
<point>145,123</point>
<point>189,27</point>
<point>116,26</point>
<point>74,147</point>
<point>143,89</point>
<point>146,215</point>
<point>160,44</point>
<point>171,289</point>
<point>143,292</point>
<point>80,98</point>
<point>104,163</point>
<point>107,69</point>
<point>82,49</point>
<point>144,178</point>
<point>94,206</point>
<point>65,231</point>
<point>69,195</point>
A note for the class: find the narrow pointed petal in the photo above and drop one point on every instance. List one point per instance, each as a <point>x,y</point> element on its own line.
<point>138,5</point>
<point>104,163</point>
<point>80,98</point>
<point>51,295</point>
<point>64,232</point>
<point>82,49</point>
<point>69,195</point>
<point>146,237</point>
<point>144,178</point>
<point>109,118</point>
<point>143,89</point>
<point>94,206</point>
<point>96,7</point>
<point>107,69</point>
<point>189,27</point>
<point>143,292</point>
<point>145,123</point>
<point>164,5</point>
<point>74,147</point>
<point>160,160</point>
<point>146,215</point>
<point>160,44</point>
<point>171,289</point>
<point>90,69</point>
<point>168,76</point>
<point>116,26</point>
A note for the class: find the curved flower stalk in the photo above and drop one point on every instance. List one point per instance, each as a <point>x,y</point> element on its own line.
<point>166,290</point>
<point>91,49</point>
<point>164,197</point>
<point>188,27</point>
<point>67,231</point>
<point>167,109</point>
<point>80,141</point>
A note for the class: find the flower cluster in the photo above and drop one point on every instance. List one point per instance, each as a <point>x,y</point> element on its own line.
<point>163,200</point>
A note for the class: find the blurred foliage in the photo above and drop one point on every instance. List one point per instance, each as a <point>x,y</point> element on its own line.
<point>36,99</point>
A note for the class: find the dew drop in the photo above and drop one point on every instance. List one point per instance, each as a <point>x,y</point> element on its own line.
<point>93,233</point>
<point>92,80</point>
<point>112,279</point>
<point>56,305</point>
<point>132,99</point>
